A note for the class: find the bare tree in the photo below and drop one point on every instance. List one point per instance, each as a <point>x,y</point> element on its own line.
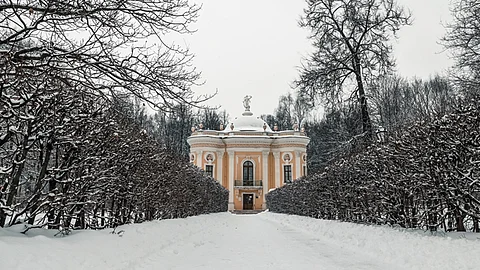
<point>302,108</point>
<point>108,46</point>
<point>398,101</point>
<point>463,40</point>
<point>351,40</point>
<point>60,62</point>
<point>284,112</point>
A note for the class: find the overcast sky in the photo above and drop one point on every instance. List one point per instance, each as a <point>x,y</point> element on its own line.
<point>254,47</point>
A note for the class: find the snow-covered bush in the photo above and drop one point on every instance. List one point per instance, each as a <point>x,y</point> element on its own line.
<point>99,169</point>
<point>70,156</point>
<point>426,176</point>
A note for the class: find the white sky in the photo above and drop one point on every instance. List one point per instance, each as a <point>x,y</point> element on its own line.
<point>254,47</point>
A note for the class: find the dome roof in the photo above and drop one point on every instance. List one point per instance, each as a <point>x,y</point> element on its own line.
<point>248,122</point>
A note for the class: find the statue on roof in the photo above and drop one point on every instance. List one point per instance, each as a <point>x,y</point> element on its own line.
<point>246,102</point>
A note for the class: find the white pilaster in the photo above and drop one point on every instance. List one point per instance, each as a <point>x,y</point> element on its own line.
<point>276,156</point>
<point>220,166</point>
<point>265,176</point>
<point>231,170</point>
<point>298,171</point>
<point>200,160</point>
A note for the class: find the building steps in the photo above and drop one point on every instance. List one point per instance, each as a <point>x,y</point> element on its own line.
<point>246,212</point>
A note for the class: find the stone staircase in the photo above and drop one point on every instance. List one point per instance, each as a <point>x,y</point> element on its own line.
<point>246,212</point>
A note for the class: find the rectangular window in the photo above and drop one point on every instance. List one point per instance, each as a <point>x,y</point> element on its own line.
<point>209,170</point>
<point>304,170</point>
<point>287,173</point>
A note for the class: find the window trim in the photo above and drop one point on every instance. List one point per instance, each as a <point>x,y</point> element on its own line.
<point>284,173</point>
<point>243,170</point>
<point>213,170</point>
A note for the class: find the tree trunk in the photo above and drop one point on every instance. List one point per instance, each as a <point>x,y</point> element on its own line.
<point>459,219</point>
<point>366,123</point>
<point>102,219</point>
<point>475,225</point>
<point>41,176</point>
<point>13,185</point>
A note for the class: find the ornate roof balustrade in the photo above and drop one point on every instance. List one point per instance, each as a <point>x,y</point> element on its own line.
<point>248,133</point>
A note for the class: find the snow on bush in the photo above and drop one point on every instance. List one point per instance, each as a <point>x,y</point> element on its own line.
<point>97,168</point>
<point>427,176</point>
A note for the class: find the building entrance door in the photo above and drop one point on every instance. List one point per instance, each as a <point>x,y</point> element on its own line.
<point>247,201</point>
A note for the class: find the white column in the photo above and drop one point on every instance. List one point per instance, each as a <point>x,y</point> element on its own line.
<point>265,176</point>
<point>231,170</point>
<point>298,172</point>
<point>276,155</point>
<point>200,159</point>
<point>220,166</point>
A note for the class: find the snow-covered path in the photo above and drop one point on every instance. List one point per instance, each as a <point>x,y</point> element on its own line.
<point>253,242</point>
<point>226,241</point>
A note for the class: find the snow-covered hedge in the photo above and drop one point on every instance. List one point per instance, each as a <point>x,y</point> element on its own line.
<point>97,168</point>
<point>426,176</point>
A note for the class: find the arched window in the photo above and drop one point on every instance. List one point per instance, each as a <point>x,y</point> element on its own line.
<point>248,173</point>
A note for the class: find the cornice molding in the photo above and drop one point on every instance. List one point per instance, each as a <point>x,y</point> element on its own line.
<point>250,147</point>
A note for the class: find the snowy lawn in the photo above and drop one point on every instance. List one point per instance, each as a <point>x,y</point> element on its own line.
<point>226,241</point>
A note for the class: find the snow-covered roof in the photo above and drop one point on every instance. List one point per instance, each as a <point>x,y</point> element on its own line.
<point>247,130</point>
<point>247,122</point>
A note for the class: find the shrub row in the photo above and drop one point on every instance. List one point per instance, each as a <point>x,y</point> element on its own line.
<point>101,169</point>
<point>426,176</point>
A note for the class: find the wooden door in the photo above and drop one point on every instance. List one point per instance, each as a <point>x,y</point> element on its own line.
<point>247,201</point>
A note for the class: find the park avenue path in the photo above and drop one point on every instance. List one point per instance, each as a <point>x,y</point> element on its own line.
<point>229,241</point>
<point>256,242</point>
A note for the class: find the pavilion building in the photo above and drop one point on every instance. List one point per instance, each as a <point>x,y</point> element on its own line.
<point>249,158</point>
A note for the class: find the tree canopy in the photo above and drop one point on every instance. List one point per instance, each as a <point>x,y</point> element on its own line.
<point>351,40</point>
<point>463,41</point>
<point>109,47</point>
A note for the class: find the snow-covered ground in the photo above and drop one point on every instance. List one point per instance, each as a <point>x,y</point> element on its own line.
<point>226,241</point>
